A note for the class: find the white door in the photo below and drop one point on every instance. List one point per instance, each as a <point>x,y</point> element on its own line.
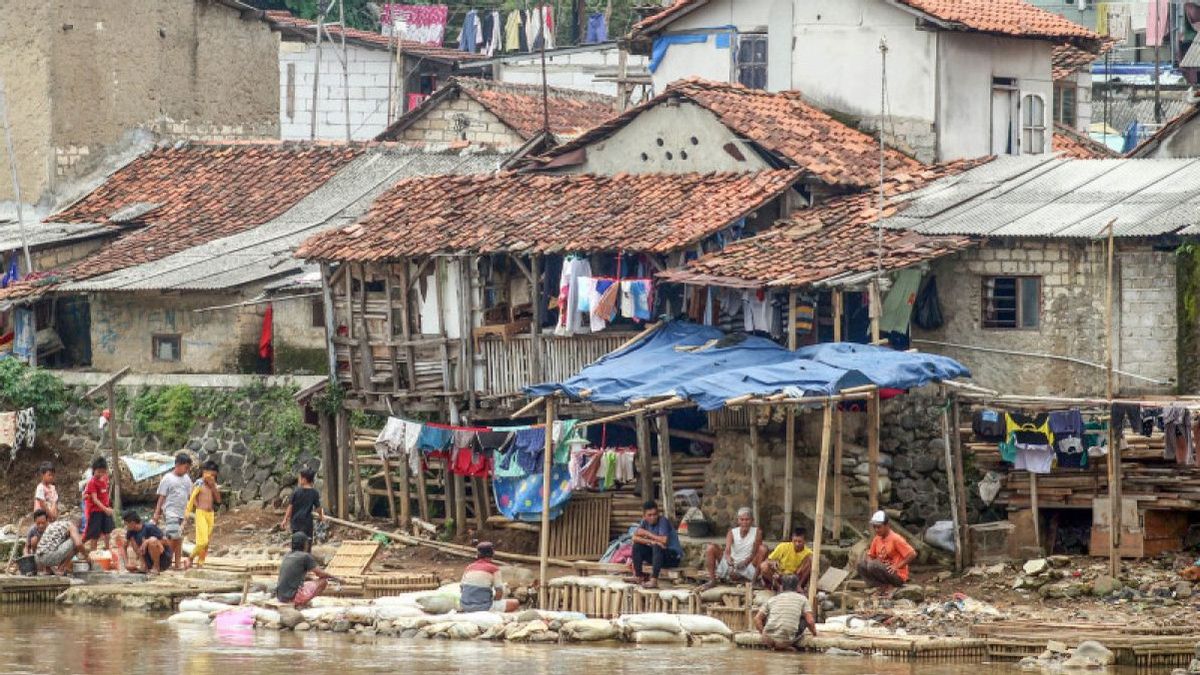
<point>1004,133</point>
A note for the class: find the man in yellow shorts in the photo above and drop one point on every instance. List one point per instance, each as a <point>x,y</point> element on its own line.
<point>789,557</point>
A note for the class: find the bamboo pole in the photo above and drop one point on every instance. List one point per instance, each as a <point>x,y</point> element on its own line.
<point>839,476</point>
<point>344,445</point>
<point>535,323</point>
<point>1114,447</point>
<point>951,488</point>
<point>445,547</point>
<point>752,458</point>
<point>664,466</point>
<point>792,337</point>
<point>391,492</point>
<point>544,535</point>
<point>1037,512</point>
<point>960,481</point>
<point>410,355</point>
<point>873,422</point>
<point>789,472</point>
<point>837,316</point>
<point>876,298</point>
<point>819,520</point>
<point>111,393</point>
<point>405,494</point>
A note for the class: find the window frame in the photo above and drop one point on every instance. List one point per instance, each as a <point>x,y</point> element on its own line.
<point>1060,103</point>
<point>1033,127</point>
<point>157,339</point>
<point>1019,309</point>
<point>739,65</point>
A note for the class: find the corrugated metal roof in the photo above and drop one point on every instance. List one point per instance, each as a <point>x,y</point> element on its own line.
<point>48,234</point>
<point>265,252</point>
<point>1048,197</point>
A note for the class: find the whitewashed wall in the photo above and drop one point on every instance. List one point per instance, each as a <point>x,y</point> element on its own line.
<point>368,69</point>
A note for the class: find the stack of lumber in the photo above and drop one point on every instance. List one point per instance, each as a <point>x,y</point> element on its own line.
<point>1156,486</point>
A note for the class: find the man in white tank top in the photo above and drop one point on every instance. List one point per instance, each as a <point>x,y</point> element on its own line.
<point>741,558</point>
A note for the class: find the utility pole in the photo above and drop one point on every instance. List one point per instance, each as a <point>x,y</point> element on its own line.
<point>16,182</point>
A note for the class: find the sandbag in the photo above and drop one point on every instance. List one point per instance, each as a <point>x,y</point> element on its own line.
<point>748,639</point>
<point>699,624</point>
<point>312,614</point>
<point>494,633</point>
<point>326,601</point>
<point>658,637</point>
<point>463,630</point>
<point>393,612</point>
<point>668,623</point>
<point>361,615</point>
<point>484,620</point>
<point>189,618</point>
<point>718,593</point>
<point>517,632</point>
<point>206,606</point>
<point>712,639</point>
<point>438,604</point>
<point>435,629</point>
<point>591,630</point>
<point>404,599</point>
<point>941,535</point>
<point>679,594</point>
<point>266,616</point>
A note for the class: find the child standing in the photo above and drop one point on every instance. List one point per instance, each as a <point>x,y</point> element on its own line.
<point>45,495</point>
<point>98,503</point>
<point>174,490</point>
<point>305,502</point>
<point>202,506</point>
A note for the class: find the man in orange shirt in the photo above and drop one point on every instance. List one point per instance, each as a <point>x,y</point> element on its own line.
<point>885,566</point>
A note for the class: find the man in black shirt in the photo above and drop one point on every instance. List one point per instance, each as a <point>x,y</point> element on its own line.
<point>147,543</point>
<point>293,571</point>
<point>305,502</point>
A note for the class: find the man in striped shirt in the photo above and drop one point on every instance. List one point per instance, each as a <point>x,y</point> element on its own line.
<point>783,618</point>
<point>482,587</point>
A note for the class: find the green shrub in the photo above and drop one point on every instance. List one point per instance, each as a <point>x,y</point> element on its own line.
<point>22,386</point>
<point>168,413</point>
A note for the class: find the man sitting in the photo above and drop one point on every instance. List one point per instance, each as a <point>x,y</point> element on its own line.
<point>656,542</point>
<point>741,559</point>
<point>482,587</point>
<point>147,544</point>
<point>783,618</point>
<point>294,569</point>
<point>789,557</point>
<point>885,567</point>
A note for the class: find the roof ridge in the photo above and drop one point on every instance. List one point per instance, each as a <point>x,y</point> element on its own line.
<point>531,89</point>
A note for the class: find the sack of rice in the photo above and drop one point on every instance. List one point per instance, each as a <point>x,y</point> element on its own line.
<point>658,637</point>
<point>189,618</point>
<point>699,624</point>
<point>591,630</point>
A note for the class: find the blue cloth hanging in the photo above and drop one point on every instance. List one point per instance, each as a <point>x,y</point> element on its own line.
<point>13,273</point>
<point>521,498</point>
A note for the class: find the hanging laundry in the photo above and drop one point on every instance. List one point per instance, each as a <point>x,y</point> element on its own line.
<point>1095,439</point>
<point>13,273</point>
<point>390,441</point>
<point>24,333</point>
<point>434,438</point>
<point>422,23</point>
<point>1157,17</point>
<point>1177,425</point>
<point>573,268</point>
<point>471,34</point>
<point>1029,429</point>
<point>533,20</point>
<point>625,472</point>
<point>585,289</point>
<point>1070,453</point>
<point>604,307</point>
<point>265,349</point>
<point>597,28</point>
<point>898,304</point>
<point>756,311</point>
<point>1066,422</point>
<point>635,299</point>
<point>512,31</point>
<point>806,316</point>
<point>989,425</point>
<point>471,462</point>
<point>528,449</point>
<point>486,24</point>
<point>1151,418</point>
<point>521,498</point>
<point>26,430</point>
<point>548,25</point>
<point>523,40</point>
<point>1121,413</point>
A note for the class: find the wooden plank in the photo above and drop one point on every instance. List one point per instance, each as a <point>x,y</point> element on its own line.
<point>352,558</point>
<point>410,357</point>
<point>950,486</point>
<point>330,326</point>
<point>873,423</point>
<point>391,492</point>
<point>839,477</point>
<point>789,472</point>
<point>752,459</point>
<point>535,324</point>
<point>964,532</point>
<point>819,520</point>
<point>645,467</point>
<point>664,466</point>
<point>544,535</point>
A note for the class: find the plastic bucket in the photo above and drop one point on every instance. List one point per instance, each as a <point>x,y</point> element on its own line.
<point>27,565</point>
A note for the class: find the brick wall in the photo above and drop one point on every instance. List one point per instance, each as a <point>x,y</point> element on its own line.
<point>461,119</point>
<point>1072,317</point>
<point>369,79</point>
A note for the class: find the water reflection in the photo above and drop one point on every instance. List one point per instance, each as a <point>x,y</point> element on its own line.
<point>44,640</point>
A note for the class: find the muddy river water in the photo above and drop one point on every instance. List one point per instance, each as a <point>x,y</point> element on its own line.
<point>45,640</point>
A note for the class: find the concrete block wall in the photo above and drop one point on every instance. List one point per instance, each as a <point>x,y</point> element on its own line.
<point>1072,317</point>
<point>461,119</point>
<point>370,75</point>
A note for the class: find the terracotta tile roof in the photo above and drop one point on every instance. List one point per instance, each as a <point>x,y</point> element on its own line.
<point>184,196</point>
<point>288,22</point>
<point>1069,59</point>
<point>1015,18</point>
<point>1071,143</point>
<point>519,106</point>
<point>534,212</point>
<point>833,240</point>
<point>781,123</point>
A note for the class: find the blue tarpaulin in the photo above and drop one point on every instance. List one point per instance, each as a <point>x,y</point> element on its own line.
<point>708,367</point>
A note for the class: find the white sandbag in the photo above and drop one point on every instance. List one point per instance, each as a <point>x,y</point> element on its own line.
<point>419,622</point>
<point>393,612</point>
<point>494,633</point>
<point>266,616</point>
<point>658,637</point>
<point>463,630</point>
<point>565,581</point>
<point>327,601</point>
<point>361,615</point>
<point>206,606</point>
<point>403,599</point>
<point>434,629</point>
<point>484,620</point>
<point>312,614</point>
<point>519,632</point>
<point>189,618</point>
<point>548,616</point>
<point>714,640</point>
<point>591,630</point>
<point>718,593</point>
<point>699,624</point>
<point>679,594</point>
<point>668,623</point>
<point>748,639</point>
<point>438,604</point>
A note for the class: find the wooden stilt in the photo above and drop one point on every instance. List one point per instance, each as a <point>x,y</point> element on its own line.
<point>819,520</point>
<point>664,466</point>
<point>837,316</point>
<point>535,323</point>
<point>477,497</point>
<point>391,492</point>
<point>405,496</point>
<point>752,459</point>
<point>873,422</point>
<point>329,485</point>
<point>792,337</point>
<point>361,508</point>
<point>342,433</point>
<point>960,481</point>
<point>839,475</point>
<point>544,534</point>
<point>422,493</point>
<point>645,466</point>
<point>789,472</point>
<point>1037,512</point>
<point>1114,444</point>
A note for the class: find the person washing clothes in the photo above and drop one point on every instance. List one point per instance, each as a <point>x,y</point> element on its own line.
<point>885,567</point>
<point>482,587</point>
<point>202,507</point>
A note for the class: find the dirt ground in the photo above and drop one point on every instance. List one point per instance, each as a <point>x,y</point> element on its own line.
<point>21,477</point>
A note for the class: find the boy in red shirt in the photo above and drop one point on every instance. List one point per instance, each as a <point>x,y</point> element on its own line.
<point>885,566</point>
<point>98,505</point>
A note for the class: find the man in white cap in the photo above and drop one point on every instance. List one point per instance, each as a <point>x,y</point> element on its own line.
<point>885,566</point>
<point>741,559</point>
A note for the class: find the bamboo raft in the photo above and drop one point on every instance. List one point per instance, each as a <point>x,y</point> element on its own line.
<point>597,602</point>
<point>14,589</point>
<point>254,566</point>
<point>1141,647</point>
